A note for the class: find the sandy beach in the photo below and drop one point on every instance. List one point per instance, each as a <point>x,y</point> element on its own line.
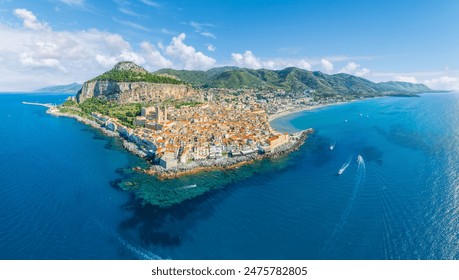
<point>305,108</point>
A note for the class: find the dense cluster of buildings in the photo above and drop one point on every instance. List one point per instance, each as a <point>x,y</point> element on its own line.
<point>208,131</point>
<point>273,101</point>
<point>230,123</point>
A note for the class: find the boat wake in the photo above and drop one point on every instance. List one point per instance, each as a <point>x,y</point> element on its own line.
<point>135,250</point>
<point>359,179</point>
<point>332,146</point>
<point>188,187</point>
<point>345,165</point>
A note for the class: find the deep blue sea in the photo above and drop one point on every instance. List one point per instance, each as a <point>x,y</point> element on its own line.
<point>60,196</point>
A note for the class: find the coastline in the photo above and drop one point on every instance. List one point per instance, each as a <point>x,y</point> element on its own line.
<point>297,139</point>
<point>307,108</point>
<point>129,146</point>
<point>55,112</point>
<point>227,163</point>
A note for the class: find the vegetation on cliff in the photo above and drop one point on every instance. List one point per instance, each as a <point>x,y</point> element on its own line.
<point>115,75</point>
<point>125,113</point>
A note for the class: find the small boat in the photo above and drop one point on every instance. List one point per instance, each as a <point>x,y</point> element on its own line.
<point>189,187</point>
<point>345,120</point>
<point>359,159</point>
<point>332,146</point>
<point>361,114</point>
<point>343,168</point>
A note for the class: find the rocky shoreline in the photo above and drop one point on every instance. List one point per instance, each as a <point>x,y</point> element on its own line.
<point>297,139</point>
<point>129,146</point>
<point>227,163</point>
<point>55,112</point>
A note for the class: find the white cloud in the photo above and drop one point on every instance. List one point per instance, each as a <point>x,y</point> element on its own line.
<point>30,21</point>
<point>249,60</point>
<point>115,42</point>
<point>353,68</point>
<point>27,60</point>
<point>131,56</point>
<point>106,61</point>
<point>443,83</point>
<point>304,64</point>
<point>186,56</point>
<point>363,72</point>
<point>151,3</point>
<point>73,2</point>
<point>406,79</point>
<point>131,24</point>
<point>350,68</point>
<point>437,79</point>
<point>128,12</point>
<point>154,57</point>
<point>326,65</point>
<point>211,48</point>
<point>201,28</point>
<point>37,56</point>
<point>208,35</point>
<point>167,31</point>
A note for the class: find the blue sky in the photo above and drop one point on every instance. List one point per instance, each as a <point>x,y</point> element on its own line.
<point>51,42</point>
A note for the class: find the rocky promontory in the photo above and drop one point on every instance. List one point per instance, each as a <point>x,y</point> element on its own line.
<point>129,83</point>
<point>297,139</point>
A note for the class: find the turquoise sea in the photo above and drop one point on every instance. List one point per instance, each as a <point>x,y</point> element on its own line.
<point>69,192</point>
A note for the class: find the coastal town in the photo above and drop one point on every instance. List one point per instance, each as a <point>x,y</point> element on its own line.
<point>180,127</point>
<point>179,136</point>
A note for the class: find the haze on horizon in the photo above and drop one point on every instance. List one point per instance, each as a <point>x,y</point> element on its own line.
<point>64,41</point>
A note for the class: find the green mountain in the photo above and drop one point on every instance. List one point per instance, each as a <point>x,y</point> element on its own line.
<point>127,71</point>
<point>195,77</point>
<point>292,79</point>
<point>71,88</point>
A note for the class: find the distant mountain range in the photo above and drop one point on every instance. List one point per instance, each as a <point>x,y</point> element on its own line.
<point>289,80</point>
<point>293,80</point>
<point>71,88</point>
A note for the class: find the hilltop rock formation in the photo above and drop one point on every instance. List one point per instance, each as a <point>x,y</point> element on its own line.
<point>128,82</point>
<point>129,66</point>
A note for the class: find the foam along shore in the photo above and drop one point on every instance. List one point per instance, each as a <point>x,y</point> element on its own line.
<point>296,140</point>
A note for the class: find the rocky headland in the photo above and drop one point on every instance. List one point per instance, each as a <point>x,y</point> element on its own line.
<point>130,83</point>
